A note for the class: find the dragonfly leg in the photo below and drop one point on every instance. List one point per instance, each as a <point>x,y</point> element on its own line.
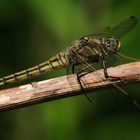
<point>106,72</point>
<point>79,76</point>
<point>82,88</point>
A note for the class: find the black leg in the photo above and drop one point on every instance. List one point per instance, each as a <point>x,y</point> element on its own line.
<point>105,69</point>
<point>67,70</point>
<point>73,67</point>
<point>79,75</point>
<point>79,81</point>
<point>106,73</point>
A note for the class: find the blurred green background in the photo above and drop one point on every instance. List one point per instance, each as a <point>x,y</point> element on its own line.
<point>31,31</point>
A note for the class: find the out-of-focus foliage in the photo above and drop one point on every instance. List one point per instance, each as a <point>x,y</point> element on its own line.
<point>31,31</point>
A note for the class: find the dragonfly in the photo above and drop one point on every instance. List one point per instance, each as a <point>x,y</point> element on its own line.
<point>84,52</point>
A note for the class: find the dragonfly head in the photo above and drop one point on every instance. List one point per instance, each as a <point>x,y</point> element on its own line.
<point>112,44</point>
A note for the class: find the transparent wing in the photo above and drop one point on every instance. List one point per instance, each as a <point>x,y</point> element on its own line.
<point>118,30</point>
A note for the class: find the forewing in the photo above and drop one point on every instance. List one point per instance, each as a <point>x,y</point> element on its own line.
<point>118,30</point>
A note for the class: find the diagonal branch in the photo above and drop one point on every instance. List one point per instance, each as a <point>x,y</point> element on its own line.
<point>65,86</point>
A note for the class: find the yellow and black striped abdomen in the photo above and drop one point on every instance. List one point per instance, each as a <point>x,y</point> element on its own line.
<point>57,62</point>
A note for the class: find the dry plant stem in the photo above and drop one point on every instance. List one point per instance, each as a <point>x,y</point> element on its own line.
<point>65,86</point>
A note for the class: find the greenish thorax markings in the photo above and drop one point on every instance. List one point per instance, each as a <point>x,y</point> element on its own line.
<point>92,49</point>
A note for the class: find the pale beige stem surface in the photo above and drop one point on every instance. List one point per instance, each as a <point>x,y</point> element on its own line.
<point>66,86</point>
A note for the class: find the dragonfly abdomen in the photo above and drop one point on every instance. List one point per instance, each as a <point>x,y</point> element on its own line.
<point>57,62</point>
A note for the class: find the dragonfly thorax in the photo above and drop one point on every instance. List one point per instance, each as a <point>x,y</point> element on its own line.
<point>109,44</point>
<point>92,49</point>
<point>84,50</point>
